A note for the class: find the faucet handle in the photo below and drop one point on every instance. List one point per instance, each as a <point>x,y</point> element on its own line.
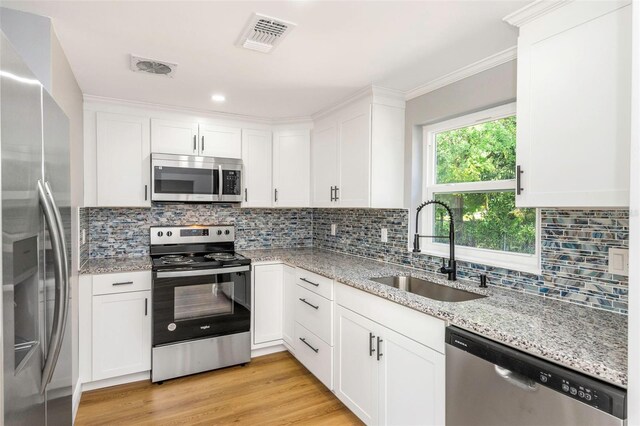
<point>483,279</point>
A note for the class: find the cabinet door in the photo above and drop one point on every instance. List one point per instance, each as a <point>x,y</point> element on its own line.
<point>122,160</point>
<point>324,165</point>
<point>412,382</point>
<point>121,334</point>
<point>256,157</point>
<point>574,88</point>
<point>220,141</point>
<point>267,303</point>
<point>288,317</point>
<point>356,368</point>
<point>355,158</point>
<point>174,137</point>
<point>291,176</point>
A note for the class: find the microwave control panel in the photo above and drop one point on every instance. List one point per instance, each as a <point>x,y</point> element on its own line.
<point>231,182</point>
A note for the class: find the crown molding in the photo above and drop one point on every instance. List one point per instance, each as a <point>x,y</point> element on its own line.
<point>200,111</point>
<point>464,72</point>
<point>533,11</point>
<point>377,93</point>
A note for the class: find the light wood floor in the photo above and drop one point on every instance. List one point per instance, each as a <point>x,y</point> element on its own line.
<point>273,389</point>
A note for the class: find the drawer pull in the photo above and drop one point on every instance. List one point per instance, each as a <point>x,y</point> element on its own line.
<point>123,283</point>
<point>305,301</point>
<point>310,282</point>
<point>307,343</point>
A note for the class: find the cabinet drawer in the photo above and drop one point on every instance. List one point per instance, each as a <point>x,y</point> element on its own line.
<point>314,354</point>
<point>316,283</point>
<point>121,282</point>
<point>314,312</point>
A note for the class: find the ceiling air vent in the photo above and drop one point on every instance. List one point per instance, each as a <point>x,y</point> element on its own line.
<point>152,66</point>
<point>264,33</point>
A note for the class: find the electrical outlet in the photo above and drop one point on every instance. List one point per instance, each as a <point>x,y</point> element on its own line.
<point>383,235</point>
<point>83,237</point>
<point>618,261</point>
<point>333,229</point>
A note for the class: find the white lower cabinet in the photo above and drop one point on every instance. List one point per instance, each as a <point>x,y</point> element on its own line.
<point>268,300</point>
<point>383,376</point>
<point>120,330</point>
<point>288,316</point>
<point>315,354</point>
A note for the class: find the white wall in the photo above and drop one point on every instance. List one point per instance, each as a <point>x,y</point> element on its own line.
<point>489,88</point>
<point>67,94</point>
<point>633,402</point>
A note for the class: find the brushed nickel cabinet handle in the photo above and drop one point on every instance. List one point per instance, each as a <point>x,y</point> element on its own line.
<point>307,343</point>
<point>310,282</point>
<point>305,301</point>
<point>123,283</point>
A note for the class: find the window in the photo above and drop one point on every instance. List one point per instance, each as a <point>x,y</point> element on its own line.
<point>470,165</point>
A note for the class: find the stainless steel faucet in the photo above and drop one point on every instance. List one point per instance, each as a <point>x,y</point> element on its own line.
<point>450,269</point>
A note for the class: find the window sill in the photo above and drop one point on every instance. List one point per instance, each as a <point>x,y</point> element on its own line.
<point>512,261</point>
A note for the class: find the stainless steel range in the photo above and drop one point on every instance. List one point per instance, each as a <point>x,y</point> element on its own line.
<point>201,300</point>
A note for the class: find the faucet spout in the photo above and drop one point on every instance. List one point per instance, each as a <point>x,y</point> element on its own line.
<point>451,268</point>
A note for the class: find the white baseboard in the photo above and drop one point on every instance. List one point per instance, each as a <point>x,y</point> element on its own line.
<point>114,381</point>
<point>267,350</point>
<point>75,400</point>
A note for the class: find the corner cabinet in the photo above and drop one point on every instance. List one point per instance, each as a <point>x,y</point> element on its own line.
<point>389,361</point>
<point>574,105</point>
<point>258,168</point>
<point>291,163</point>
<point>358,154</point>
<point>122,155</point>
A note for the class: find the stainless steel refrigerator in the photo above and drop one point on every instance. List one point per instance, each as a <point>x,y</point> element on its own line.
<point>36,338</point>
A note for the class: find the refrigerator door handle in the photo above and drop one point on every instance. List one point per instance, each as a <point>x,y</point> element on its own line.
<point>56,232</point>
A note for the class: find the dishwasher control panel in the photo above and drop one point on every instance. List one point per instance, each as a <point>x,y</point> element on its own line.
<point>531,371</point>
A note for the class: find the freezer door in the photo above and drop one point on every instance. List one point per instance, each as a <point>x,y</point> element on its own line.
<point>56,174</point>
<point>22,291</point>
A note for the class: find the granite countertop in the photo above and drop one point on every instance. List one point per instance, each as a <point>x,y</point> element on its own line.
<point>109,265</point>
<point>588,340</point>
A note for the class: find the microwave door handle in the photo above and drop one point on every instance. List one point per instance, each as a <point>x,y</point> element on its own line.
<point>220,182</point>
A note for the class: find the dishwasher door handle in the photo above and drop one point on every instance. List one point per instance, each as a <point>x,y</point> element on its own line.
<point>516,379</point>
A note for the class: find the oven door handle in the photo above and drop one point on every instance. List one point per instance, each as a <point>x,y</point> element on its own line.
<point>201,272</point>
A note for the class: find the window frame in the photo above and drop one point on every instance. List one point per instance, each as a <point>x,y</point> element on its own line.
<point>516,261</point>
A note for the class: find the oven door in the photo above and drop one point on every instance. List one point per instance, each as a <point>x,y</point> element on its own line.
<point>184,178</point>
<point>192,304</point>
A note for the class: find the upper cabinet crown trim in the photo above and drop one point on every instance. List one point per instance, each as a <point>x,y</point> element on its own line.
<point>533,11</point>
<point>379,95</point>
<point>89,99</point>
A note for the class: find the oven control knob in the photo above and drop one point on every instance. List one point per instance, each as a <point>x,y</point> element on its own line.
<point>169,233</point>
<point>219,232</point>
<point>159,233</point>
<point>171,327</point>
<point>227,232</point>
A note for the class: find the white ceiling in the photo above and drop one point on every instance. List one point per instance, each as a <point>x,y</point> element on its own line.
<point>337,48</point>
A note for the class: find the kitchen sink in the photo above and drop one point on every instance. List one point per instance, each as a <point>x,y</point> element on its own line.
<point>428,289</point>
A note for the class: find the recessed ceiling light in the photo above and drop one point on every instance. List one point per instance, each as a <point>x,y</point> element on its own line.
<point>218,98</point>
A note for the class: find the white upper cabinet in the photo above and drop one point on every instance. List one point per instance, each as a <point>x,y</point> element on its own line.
<point>190,138</point>
<point>324,164</point>
<point>358,154</point>
<point>174,137</point>
<point>258,172</point>
<point>574,94</point>
<point>291,164</point>
<point>122,160</point>
<point>220,141</point>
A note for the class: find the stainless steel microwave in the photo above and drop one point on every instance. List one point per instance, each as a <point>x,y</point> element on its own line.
<point>195,179</point>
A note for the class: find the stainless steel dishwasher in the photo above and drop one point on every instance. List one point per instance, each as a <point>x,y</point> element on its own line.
<point>492,384</point>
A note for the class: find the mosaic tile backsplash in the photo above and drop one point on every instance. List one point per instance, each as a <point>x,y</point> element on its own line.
<point>574,243</point>
<point>574,251</point>
<point>125,231</point>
